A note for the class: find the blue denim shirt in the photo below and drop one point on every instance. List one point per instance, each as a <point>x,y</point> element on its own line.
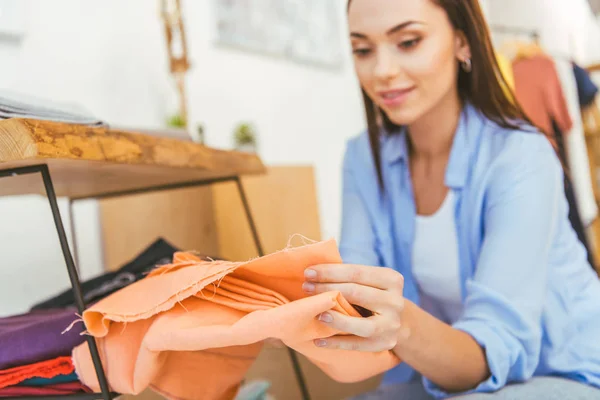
<point>530,298</point>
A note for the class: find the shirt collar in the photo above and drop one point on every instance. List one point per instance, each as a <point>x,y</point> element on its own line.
<point>395,146</point>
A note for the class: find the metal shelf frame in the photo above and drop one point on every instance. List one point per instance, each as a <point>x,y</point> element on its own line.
<point>44,171</point>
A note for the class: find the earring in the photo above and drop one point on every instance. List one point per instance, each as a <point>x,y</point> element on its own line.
<point>466,65</point>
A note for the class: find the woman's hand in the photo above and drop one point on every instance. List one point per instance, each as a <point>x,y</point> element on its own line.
<point>377,289</point>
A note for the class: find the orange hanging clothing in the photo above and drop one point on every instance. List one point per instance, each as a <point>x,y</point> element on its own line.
<point>539,92</point>
<point>191,329</point>
<point>43,369</point>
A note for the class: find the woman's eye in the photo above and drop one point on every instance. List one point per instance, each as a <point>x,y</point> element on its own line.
<point>409,44</point>
<point>361,52</point>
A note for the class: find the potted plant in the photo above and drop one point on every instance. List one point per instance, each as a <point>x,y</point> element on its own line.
<point>245,138</point>
<point>176,121</point>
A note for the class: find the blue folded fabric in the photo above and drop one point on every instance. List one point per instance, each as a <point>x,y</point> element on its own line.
<point>257,390</point>
<point>50,381</point>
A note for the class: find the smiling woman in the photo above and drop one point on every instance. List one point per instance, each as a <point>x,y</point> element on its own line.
<point>442,54</point>
<point>462,201</point>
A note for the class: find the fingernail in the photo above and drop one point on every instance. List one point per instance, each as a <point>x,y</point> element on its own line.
<point>308,287</point>
<point>321,342</point>
<point>325,317</point>
<point>310,273</point>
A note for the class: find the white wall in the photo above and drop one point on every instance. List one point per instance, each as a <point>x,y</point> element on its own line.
<point>33,267</point>
<point>303,114</point>
<point>110,57</point>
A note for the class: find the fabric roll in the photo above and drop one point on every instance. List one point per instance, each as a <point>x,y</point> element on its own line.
<point>45,369</point>
<point>192,329</point>
<point>59,389</point>
<point>64,378</point>
<point>575,146</point>
<point>37,336</point>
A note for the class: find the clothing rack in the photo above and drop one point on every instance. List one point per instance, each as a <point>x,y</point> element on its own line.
<point>79,175</point>
<point>534,36</point>
<point>532,33</point>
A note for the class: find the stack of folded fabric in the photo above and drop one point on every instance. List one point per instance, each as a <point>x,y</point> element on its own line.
<point>35,357</point>
<point>159,252</point>
<point>36,347</point>
<point>192,328</point>
<point>17,105</point>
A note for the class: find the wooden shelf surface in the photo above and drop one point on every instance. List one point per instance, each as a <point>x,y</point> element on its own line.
<point>89,161</point>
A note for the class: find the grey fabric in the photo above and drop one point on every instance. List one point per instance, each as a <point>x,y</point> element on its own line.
<point>546,388</point>
<point>18,105</point>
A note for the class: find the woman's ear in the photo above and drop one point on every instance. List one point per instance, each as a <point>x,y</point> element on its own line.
<point>462,48</point>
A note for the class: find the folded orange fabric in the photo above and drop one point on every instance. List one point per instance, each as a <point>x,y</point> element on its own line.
<point>43,369</point>
<point>191,329</point>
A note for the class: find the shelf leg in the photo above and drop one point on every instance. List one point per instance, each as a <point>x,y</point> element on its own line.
<point>73,276</point>
<point>295,362</point>
<point>74,236</point>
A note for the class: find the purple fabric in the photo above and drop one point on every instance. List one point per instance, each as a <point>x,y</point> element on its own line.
<point>36,336</point>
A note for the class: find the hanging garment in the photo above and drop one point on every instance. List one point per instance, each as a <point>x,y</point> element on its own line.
<point>575,147</point>
<point>507,73</point>
<point>93,290</point>
<point>43,369</point>
<point>538,91</point>
<point>586,88</point>
<point>37,336</point>
<point>192,329</point>
<point>59,389</point>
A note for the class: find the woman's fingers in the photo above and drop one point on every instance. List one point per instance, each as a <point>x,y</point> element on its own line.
<point>380,278</point>
<point>354,343</point>
<point>365,296</point>
<point>362,327</point>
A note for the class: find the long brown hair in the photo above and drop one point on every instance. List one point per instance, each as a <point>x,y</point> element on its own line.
<point>484,87</point>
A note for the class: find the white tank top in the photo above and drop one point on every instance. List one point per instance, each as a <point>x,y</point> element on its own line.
<point>435,260</point>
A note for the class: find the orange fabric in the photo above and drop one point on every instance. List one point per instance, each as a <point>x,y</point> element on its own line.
<point>539,92</point>
<point>43,369</point>
<point>191,329</point>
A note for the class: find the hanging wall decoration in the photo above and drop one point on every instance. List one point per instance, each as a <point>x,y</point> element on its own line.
<point>305,31</point>
<point>12,20</point>
<point>171,13</point>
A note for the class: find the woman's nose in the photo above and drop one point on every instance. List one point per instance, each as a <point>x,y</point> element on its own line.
<point>387,66</point>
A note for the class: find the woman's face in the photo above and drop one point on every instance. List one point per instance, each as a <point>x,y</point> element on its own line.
<point>406,55</point>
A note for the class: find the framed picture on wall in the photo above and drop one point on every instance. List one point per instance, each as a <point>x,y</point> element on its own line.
<point>305,31</point>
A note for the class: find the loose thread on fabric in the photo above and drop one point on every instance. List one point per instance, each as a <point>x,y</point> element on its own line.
<point>72,324</point>
<point>180,303</point>
<point>215,285</point>
<point>124,327</point>
<point>305,241</point>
